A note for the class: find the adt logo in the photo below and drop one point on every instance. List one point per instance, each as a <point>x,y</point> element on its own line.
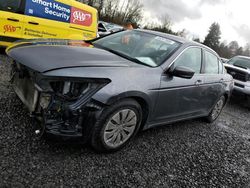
<point>80,17</point>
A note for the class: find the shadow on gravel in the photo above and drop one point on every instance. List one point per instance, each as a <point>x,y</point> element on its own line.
<point>240,101</point>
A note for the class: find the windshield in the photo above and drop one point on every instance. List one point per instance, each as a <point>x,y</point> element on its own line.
<point>148,49</point>
<point>240,62</point>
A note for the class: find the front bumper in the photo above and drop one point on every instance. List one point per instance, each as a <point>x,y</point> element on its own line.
<point>73,124</point>
<point>60,118</point>
<point>242,87</point>
<point>72,130</point>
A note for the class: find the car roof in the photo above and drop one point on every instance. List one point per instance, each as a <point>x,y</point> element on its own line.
<point>177,39</point>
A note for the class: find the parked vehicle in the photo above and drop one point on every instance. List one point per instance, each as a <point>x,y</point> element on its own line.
<point>105,28</point>
<point>239,68</point>
<point>62,19</point>
<point>110,88</point>
<point>224,60</point>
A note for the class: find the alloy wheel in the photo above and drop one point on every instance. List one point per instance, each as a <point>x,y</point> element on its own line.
<point>217,109</point>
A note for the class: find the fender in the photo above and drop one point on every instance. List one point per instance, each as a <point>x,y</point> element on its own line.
<point>130,94</point>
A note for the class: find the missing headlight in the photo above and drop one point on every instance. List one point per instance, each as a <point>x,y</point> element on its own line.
<point>45,100</point>
<point>70,90</point>
<point>72,95</point>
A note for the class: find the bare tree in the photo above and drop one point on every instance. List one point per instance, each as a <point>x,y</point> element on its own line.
<point>119,11</point>
<point>247,50</point>
<point>233,47</point>
<point>164,27</point>
<point>166,21</point>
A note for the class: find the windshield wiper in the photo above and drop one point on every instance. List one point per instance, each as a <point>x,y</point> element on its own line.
<point>120,54</point>
<point>125,56</point>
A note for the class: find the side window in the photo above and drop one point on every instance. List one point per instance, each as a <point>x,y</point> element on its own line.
<point>16,6</point>
<point>211,63</point>
<point>221,67</point>
<point>191,58</point>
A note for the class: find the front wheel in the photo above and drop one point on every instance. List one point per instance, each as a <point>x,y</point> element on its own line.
<point>214,114</point>
<point>116,126</point>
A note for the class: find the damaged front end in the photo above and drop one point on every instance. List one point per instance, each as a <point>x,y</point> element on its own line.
<point>62,106</point>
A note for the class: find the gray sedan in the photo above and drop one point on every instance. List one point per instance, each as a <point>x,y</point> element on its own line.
<point>104,91</point>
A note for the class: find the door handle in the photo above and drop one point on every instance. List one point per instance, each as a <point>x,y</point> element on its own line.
<point>221,80</point>
<point>13,19</point>
<point>33,23</point>
<point>198,82</point>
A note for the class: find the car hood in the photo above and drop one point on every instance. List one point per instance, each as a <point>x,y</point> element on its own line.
<point>43,58</point>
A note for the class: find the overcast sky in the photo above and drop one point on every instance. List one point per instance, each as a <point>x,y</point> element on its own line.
<point>197,15</point>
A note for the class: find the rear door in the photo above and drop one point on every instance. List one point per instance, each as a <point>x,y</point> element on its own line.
<point>49,19</point>
<point>11,20</point>
<point>214,79</point>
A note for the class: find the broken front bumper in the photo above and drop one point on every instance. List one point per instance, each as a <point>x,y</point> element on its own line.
<point>53,113</point>
<point>26,91</point>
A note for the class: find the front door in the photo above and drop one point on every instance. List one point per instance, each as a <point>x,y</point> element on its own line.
<point>179,98</point>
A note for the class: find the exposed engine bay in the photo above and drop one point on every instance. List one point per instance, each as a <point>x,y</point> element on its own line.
<point>59,105</point>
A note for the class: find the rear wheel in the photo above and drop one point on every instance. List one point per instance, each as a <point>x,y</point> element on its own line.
<point>116,126</point>
<point>214,114</point>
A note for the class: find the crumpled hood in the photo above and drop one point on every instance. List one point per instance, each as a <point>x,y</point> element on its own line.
<point>43,58</point>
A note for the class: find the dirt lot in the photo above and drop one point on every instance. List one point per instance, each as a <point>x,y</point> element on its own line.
<point>190,154</point>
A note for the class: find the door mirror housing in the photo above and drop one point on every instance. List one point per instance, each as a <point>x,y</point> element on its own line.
<point>182,72</point>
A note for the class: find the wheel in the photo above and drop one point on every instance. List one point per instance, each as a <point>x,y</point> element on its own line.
<point>214,114</point>
<point>116,126</point>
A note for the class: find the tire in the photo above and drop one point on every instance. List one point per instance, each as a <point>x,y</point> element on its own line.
<point>117,125</point>
<point>216,111</point>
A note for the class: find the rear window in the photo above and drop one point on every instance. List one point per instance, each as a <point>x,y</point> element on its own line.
<point>16,6</point>
<point>240,62</point>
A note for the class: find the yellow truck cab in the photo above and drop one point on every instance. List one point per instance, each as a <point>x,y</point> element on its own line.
<point>61,19</point>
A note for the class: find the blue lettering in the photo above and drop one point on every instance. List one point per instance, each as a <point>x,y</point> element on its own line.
<point>48,9</point>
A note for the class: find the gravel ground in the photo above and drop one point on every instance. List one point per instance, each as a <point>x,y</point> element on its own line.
<point>186,154</point>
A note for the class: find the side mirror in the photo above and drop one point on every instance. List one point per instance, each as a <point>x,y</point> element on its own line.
<point>182,72</point>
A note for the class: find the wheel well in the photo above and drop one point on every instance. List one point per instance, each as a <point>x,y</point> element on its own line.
<point>145,109</point>
<point>144,106</point>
